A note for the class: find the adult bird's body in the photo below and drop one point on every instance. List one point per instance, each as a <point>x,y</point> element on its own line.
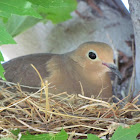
<point>88,66</point>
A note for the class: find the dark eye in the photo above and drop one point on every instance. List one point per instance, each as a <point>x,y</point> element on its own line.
<point>92,55</point>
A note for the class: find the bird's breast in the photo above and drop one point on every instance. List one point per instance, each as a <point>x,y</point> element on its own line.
<point>90,84</point>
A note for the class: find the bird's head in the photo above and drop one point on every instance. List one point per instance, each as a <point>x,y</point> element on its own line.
<point>95,57</point>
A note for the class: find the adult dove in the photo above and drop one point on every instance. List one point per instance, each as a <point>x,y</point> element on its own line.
<point>86,68</point>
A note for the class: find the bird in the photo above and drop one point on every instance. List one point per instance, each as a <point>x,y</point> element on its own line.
<point>84,69</point>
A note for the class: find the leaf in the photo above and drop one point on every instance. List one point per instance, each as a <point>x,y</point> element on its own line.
<point>92,137</point>
<point>1,72</point>
<point>60,136</point>
<point>15,132</point>
<point>19,7</point>
<point>4,14</point>
<point>36,137</point>
<point>1,57</point>
<point>17,24</point>
<point>5,38</point>
<point>56,10</point>
<point>126,133</point>
<point>6,138</point>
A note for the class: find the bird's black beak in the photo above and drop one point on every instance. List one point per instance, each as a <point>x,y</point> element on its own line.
<point>113,69</point>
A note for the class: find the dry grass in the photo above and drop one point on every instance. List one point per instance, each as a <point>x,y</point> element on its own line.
<point>41,112</point>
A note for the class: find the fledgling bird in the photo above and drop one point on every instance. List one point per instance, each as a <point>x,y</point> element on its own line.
<point>87,66</point>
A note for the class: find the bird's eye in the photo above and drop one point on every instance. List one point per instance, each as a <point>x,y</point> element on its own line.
<point>92,55</point>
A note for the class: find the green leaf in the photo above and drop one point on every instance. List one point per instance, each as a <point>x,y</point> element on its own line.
<point>126,133</point>
<point>60,136</point>
<point>1,57</point>
<point>36,137</point>
<point>4,14</point>
<point>1,67</point>
<point>6,138</point>
<point>19,7</point>
<point>17,24</point>
<point>55,10</point>
<point>1,72</point>
<point>92,137</point>
<point>5,38</point>
<point>15,132</point>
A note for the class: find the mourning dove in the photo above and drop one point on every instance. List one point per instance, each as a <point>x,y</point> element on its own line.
<point>86,68</point>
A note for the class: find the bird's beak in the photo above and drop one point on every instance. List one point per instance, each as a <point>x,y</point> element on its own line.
<point>113,68</point>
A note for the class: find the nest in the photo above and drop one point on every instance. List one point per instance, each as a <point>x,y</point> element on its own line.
<point>43,112</point>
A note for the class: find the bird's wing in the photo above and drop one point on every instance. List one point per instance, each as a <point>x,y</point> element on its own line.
<point>20,69</point>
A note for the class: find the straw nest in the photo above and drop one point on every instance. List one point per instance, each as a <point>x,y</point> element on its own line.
<point>43,112</point>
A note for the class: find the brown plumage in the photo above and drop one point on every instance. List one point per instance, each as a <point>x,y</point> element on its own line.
<point>89,65</point>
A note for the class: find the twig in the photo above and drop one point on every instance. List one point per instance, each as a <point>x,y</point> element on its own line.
<point>72,126</point>
<point>95,7</point>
